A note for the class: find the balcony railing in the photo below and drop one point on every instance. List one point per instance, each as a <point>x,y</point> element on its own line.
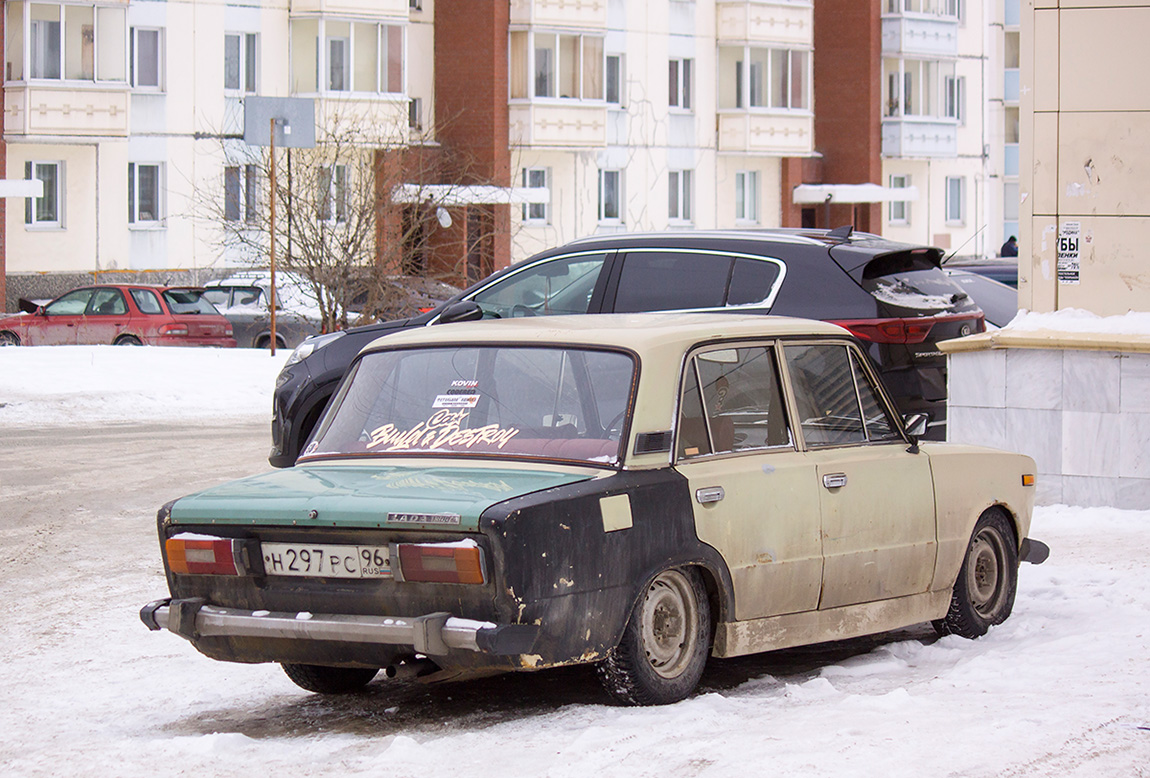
<point>66,110</point>
<point>558,125</point>
<point>766,133</point>
<point>921,35</point>
<point>790,23</point>
<point>919,136</point>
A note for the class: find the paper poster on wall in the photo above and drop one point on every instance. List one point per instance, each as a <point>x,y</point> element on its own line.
<point>1069,240</point>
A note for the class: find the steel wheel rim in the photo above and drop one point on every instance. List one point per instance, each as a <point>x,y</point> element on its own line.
<point>987,571</point>
<point>668,618</point>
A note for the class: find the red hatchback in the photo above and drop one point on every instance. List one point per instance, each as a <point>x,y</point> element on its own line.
<point>120,314</point>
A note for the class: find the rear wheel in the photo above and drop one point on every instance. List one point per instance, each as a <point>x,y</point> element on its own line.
<point>984,592</point>
<point>264,341</point>
<point>329,680</point>
<point>665,644</point>
<point>128,340</point>
<point>9,338</point>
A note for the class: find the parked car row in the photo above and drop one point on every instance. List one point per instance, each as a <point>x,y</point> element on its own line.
<point>892,296</point>
<point>637,492</point>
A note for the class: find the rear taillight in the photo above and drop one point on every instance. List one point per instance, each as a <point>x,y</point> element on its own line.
<point>906,330</point>
<point>441,562</point>
<point>174,329</point>
<point>228,331</point>
<point>201,555</point>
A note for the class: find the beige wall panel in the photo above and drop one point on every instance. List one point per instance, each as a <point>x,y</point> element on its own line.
<point>1115,276</point>
<point>1037,277</point>
<point>1103,51</point>
<point>367,9</point>
<point>1045,71</point>
<point>582,14</point>
<point>1064,4</point>
<point>558,125</point>
<point>765,23</point>
<point>1103,164</point>
<point>84,112</point>
<point>766,133</point>
<point>1044,164</point>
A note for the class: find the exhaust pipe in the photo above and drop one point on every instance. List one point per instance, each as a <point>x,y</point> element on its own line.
<point>410,668</point>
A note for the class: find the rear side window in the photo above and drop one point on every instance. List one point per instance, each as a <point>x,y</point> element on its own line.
<point>752,281</point>
<point>836,403</point>
<point>147,301</point>
<point>107,302</point>
<point>664,281</point>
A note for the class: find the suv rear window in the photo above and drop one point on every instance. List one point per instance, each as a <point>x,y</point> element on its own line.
<point>911,281</point>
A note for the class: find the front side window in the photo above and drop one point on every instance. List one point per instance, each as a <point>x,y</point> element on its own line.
<point>732,402</point>
<point>554,286</point>
<point>495,401</point>
<point>747,196</point>
<point>835,401</point>
<point>240,58</point>
<point>45,210</point>
<point>145,187</point>
<point>535,178</point>
<point>332,195</point>
<point>610,195</point>
<point>679,84</point>
<point>72,42</point>
<point>680,194</point>
<point>146,59</point>
<point>240,187</point>
<point>72,304</point>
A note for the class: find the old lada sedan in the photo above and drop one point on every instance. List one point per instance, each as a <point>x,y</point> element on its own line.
<point>635,491</point>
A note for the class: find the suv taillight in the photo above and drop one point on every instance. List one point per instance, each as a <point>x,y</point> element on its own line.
<point>915,329</point>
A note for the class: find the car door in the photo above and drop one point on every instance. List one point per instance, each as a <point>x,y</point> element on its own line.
<point>61,320</point>
<point>876,493</point>
<point>754,495</point>
<point>105,317</point>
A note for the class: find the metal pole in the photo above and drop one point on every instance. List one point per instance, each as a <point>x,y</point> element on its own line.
<point>272,230</point>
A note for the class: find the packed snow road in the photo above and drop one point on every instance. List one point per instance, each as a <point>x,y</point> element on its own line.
<point>1060,689</point>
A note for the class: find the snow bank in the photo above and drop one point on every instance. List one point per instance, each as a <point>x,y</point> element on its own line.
<point>58,385</point>
<point>1077,320</point>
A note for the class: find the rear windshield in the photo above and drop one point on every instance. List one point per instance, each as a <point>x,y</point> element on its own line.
<point>188,301</point>
<point>502,401</point>
<point>912,282</point>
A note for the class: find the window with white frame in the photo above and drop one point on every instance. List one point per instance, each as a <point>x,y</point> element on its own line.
<point>955,92</point>
<point>146,58</point>
<point>241,55</point>
<point>535,178</point>
<point>556,65</point>
<point>955,199</point>
<point>241,184</point>
<point>47,209</point>
<point>747,196</point>
<point>613,79</point>
<point>755,77</point>
<point>679,191</point>
<point>332,195</point>
<point>679,84</point>
<point>610,195</point>
<point>330,55</point>
<point>145,193</point>
<point>899,211</point>
<point>56,41</point>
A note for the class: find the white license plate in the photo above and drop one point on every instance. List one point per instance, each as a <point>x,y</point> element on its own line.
<point>319,561</point>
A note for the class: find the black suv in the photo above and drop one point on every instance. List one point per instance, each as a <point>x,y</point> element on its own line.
<point>892,296</point>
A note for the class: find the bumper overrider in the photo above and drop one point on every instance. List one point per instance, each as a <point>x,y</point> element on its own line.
<point>433,634</point>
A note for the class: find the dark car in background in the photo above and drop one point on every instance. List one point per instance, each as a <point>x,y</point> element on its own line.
<point>893,296</point>
<point>1004,270</point>
<point>120,315</point>
<point>998,301</point>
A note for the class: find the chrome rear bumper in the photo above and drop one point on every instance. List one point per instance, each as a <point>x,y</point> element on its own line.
<point>434,634</point>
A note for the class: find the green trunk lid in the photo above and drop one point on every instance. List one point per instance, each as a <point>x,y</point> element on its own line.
<point>402,495</point>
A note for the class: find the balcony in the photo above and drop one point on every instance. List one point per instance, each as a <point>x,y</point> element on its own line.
<point>766,133</point>
<point>66,110</point>
<point>919,35</point>
<point>917,137</point>
<point>561,14</point>
<point>769,21</point>
<point>550,125</point>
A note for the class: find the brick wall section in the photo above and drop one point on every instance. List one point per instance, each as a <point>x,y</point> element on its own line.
<point>471,99</point>
<point>848,101</point>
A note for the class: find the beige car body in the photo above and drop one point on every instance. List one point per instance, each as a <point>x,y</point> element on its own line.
<point>880,552</point>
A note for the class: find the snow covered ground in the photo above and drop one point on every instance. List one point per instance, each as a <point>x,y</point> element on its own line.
<point>93,440</point>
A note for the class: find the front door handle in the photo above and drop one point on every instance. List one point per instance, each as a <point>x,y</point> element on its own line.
<point>834,480</point>
<point>709,494</point>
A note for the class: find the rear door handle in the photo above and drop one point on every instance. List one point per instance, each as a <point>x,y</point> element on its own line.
<point>834,480</point>
<point>709,494</point>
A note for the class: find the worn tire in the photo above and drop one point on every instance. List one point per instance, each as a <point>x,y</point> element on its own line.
<point>329,680</point>
<point>9,338</point>
<point>665,644</point>
<point>984,592</point>
<point>127,340</point>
